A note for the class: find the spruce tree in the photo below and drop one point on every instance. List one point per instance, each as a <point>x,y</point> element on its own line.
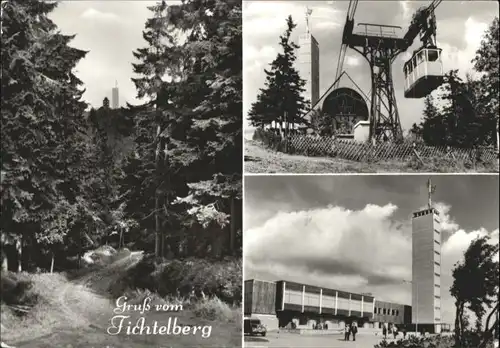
<point>43,151</point>
<point>158,61</point>
<point>281,99</point>
<point>432,128</point>
<point>210,97</point>
<point>487,63</point>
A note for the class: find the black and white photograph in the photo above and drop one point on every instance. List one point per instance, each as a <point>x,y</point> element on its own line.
<point>371,261</point>
<point>370,86</point>
<point>121,174</point>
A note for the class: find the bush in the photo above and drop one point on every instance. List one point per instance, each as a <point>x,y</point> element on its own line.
<point>471,341</point>
<point>185,278</point>
<point>16,289</point>
<point>270,139</point>
<point>215,309</point>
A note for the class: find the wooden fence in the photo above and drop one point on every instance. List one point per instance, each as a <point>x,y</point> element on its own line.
<point>364,151</point>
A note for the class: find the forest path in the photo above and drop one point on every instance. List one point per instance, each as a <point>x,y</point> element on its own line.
<point>79,314</point>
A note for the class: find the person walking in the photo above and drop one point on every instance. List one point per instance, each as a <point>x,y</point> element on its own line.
<point>395,331</point>
<point>347,332</point>
<point>384,331</point>
<point>404,332</point>
<point>354,330</point>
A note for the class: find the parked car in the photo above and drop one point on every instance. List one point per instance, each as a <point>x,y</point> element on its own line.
<point>253,326</point>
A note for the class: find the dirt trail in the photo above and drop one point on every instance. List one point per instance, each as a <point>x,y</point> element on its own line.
<point>84,310</point>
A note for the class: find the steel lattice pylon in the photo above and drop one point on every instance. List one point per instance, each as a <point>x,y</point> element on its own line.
<point>384,116</point>
<point>380,50</point>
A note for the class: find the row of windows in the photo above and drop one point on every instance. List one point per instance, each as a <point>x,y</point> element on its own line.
<point>387,311</point>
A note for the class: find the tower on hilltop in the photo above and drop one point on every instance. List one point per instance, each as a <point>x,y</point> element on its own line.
<point>114,96</point>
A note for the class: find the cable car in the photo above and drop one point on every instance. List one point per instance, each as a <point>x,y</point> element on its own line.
<point>423,72</point>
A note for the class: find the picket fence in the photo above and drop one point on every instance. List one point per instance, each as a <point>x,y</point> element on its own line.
<point>364,151</point>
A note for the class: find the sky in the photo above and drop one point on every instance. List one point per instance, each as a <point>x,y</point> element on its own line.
<point>110,31</point>
<point>353,233</point>
<point>460,26</point>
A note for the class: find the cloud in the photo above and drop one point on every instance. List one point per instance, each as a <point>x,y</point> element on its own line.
<point>364,250</point>
<point>92,13</point>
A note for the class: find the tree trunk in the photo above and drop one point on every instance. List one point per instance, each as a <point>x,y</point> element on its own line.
<point>458,320</point>
<point>157,194</point>
<point>52,263</point>
<point>5,262</point>
<point>120,242</point>
<point>498,142</point>
<point>232,230</point>
<point>19,248</point>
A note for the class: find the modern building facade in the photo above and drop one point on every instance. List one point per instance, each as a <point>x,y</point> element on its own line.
<point>308,66</point>
<point>284,304</point>
<point>115,102</point>
<point>426,269</point>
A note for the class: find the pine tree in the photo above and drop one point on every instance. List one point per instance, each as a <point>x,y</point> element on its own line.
<point>487,62</point>
<point>43,152</point>
<point>158,60</point>
<point>432,128</point>
<point>210,148</point>
<point>460,115</point>
<point>281,99</point>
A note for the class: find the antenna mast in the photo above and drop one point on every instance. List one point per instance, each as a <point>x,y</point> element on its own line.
<point>431,189</point>
<point>308,15</point>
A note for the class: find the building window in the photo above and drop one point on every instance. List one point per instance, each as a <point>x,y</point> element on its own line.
<point>437,252</point>
<point>437,274</point>
<point>393,312</point>
<point>436,231</point>
<point>437,308</point>
<point>437,285</point>
<point>383,312</point>
<point>435,241</point>
<point>436,296</point>
<point>437,263</point>
<point>437,319</point>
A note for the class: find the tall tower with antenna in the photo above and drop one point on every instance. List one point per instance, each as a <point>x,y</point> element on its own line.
<point>426,266</point>
<point>308,61</point>
<point>115,102</point>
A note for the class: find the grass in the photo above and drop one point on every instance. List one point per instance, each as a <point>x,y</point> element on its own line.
<point>76,313</point>
<point>261,160</point>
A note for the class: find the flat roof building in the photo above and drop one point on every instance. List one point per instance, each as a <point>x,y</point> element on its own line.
<point>282,303</point>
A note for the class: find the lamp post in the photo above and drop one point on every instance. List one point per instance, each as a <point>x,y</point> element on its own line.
<point>416,302</point>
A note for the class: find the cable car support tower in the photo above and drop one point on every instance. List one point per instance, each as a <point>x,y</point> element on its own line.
<point>380,46</point>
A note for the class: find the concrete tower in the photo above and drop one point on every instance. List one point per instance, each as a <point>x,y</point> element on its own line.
<point>308,62</point>
<point>114,96</point>
<point>426,267</point>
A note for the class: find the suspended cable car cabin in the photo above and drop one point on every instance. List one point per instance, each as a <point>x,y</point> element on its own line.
<point>423,72</point>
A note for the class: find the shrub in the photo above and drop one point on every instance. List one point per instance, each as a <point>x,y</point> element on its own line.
<point>183,278</point>
<point>269,139</point>
<point>215,309</point>
<point>16,289</point>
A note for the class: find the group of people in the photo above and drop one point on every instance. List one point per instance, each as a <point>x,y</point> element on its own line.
<point>350,329</point>
<point>387,330</point>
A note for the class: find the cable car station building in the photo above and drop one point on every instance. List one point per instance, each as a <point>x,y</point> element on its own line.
<point>279,304</point>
